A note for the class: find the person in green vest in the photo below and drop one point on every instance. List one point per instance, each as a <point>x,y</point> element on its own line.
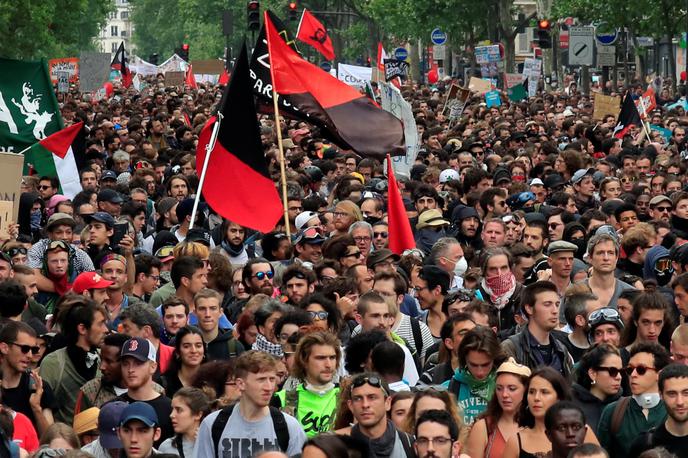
<point>474,381</point>
<point>314,401</point>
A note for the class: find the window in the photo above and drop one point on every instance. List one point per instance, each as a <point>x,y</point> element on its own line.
<point>124,15</point>
<point>124,33</point>
<point>114,31</point>
<point>113,15</point>
<point>523,41</point>
<point>113,47</point>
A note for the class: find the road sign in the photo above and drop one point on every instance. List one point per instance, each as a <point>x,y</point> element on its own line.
<point>606,56</point>
<point>605,35</point>
<point>581,45</point>
<point>438,37</point>
<point>401,53</point>
<point>439,52</point>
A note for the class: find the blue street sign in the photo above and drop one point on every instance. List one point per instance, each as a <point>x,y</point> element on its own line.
<point>607,37</point>
<point>326,66</point>
<point>401,53</point>
<point>438,37</point>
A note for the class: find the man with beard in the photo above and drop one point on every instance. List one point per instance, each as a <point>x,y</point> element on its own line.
<point>437,435</point>
<point>66,370</point>
<point>673,433</point>
<point>232,245</point>
<point>468,224</point>
<point>565,428</point>
<point>114,268</point>
<point>314,401</point>
<point>257,276</point>
<point>93,286</point>
<point>297,283</point>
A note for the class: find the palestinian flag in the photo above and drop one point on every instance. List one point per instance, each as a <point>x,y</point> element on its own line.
<point>121,63</point>
<point>628,117</point>
<point>237,182</point>
<point>54,156</point>
<point>351,118</point>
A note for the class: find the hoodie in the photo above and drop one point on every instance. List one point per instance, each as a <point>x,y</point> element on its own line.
<point>472,395</point>
<point>591,405</point>
<point>26,225</point>
<point>224,346</point>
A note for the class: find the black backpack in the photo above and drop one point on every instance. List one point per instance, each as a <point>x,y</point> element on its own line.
<point>278,421</point>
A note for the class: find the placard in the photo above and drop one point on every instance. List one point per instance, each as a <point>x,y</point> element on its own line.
<point>606,105</point>
<point>67,64</point>
<point>174,79</point>
<point>11,169</point>
<point>94,70</point>
<point>354,75</point>
<point>6,216</point>
<point>479,86</point>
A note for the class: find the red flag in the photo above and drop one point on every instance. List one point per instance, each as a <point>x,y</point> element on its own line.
<point>400,233</point>
<point>224,78</point>
<point>381,56</point>
<point>628,117</point>
<point>190,78</point>
<point>120,63</point>
<point>312,32</point>
<point>237,182</point>
<point>648,104</point>
<point>346,114</point>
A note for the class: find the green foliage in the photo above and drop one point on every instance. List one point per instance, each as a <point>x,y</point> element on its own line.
<point>50,28</point>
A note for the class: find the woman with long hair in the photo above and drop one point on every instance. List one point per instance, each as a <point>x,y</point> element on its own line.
<point>499,422</point>
<point>545,388</point>
<point>433,399</point>
<point>399,407</point>
<point>598,381</point>
<point>189,354</point>
<point>189,407</point>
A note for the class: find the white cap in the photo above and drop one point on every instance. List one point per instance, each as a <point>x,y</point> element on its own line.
<point>536,182</point>
<point>448,174</point>
<point>303,218</point>
<point>568,112</point>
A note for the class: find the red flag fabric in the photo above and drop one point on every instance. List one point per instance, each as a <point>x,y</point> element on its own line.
<point>400,233</point>
<point>224,78</point>
<point>312,32</point>
<point>381,56</point>
<point>346,114</point>
<point>628,117</point>
<point>120,63</point>
<point>190,78</point>
<point>648,103</point>
<point>237,182</point>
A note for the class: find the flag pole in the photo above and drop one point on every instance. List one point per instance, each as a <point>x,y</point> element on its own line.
<point>283,171</point>
<point>642,121</point>
<point>206,161</point>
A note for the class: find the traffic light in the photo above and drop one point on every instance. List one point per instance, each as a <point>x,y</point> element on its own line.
<point>253,9</point>
<point>293,14</point>
<point>544,37</point>
<point>185,52</point>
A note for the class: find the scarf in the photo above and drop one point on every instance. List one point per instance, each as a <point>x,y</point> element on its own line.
<point>263,344</point>
<point>231,249</point>
<point>500,288</point>
<point>85,362</point>
<point>380,447</point>
<point>483,388</point>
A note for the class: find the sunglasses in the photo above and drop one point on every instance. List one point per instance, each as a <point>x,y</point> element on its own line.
<point>44,187</point>
<point>260,276</point>
<point>312,232</point>
<point>383,235</point>
<point>662,264</point>
<point>355,254</point>
<point>372,381</point>
<point>640,369</point>
<point>415,252</point>
<point>26,348</point>
<point>603,314</point>
<point>663,209</point>
<point>512,217</point>
<point>553,226</point>
<point>320,316</point>
<point>612,371</point>
<point>627,179</point>
<point>15,251</point>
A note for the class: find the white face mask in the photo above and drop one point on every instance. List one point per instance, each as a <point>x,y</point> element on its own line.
<point>460,267</point>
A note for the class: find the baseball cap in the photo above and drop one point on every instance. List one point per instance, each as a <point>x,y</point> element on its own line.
<point>139,348</point>
<point>553,181</point>
<point>86,420</point>
<point>101,217</point>
<point>141,411</point>
<point>184,209</point>
<point>60,218</point>
<point>108,420</point>
<point>448,174</point>
<point>108,175</point>
<point>580,174</point>
<point>89,280</point>
<point>165,253</point>
<point>378,256</point>
<point>656,200</point>
<point>110,195</point>
<point>198,234</point>
<point>303,218</point>
<point>500,175</point>
<point>536,182</point>
<point>310,235</point>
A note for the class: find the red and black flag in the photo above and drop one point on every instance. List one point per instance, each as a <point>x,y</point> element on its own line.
<point>628,117</point>
<point>237,182</point>
<point>312,32</point>
<point>353,120</point>
<point>121,63</point>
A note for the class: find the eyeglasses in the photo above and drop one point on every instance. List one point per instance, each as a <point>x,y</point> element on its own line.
<point>663,209</point>
<point>378,235</point>
<point>44,187</point>
<point>320,316</point>
<point>26,348</point>
<point>640,369</point>
<point>362,238</point>
<point>627,179</point>
<point>612,371</point>
<point>355,254</point>
<point>260,276</point>
<point>15,251</point>
<point>340,214</point>
<point>438,441</point>
<point>372,381</point>
<point>155,278</point>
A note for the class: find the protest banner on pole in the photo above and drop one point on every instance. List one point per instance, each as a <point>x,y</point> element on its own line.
<point>392,101</point>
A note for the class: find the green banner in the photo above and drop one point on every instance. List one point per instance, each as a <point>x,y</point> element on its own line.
<point>28,107</point>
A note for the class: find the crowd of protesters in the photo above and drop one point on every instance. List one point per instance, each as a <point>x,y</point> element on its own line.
<point>538,315</point>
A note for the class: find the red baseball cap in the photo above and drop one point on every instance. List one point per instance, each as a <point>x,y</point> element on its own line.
<point>89,280</point>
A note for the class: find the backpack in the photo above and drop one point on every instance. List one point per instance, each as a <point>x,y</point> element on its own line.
<point>617,415</point>
<point>417,336</point>
<point>233,348</point>
<point>278,421</point>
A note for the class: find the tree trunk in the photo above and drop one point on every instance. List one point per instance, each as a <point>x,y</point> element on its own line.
<point>414,49</point>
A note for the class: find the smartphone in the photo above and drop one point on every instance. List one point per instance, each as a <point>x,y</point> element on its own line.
<point>120,230</point>
<point>32,381</point>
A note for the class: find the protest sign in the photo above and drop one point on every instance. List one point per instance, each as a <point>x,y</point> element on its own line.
<point>492,99</point>
<point>354,75</point>
<point>512,79</point>
<point>174,79</point>
<point>456,101</point>
<point>395,68</point>
<point>70,65</point>
<point>479,86</point>
<point>62,82</point>
<point>94,70</point>
<point>392,101</point>
<point>6,216</point>
<point>11,168</point>
<point>606,105</point>
<point>487,54</point>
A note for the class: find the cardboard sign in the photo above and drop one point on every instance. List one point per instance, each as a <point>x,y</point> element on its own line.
<point>606,105</point>
<point>174,79</point>
<point>479,86</point>
<point>94,70</point>
<point>207,67</point>
<point>456,101</point>
<point>6,216</point>
<point>68,64</point>
<point>11,168</point>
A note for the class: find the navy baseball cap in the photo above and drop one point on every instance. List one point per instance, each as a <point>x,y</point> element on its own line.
<point>108,175</point>
<point>110,195</point>
<point>108,420</point>
<point>141,411</point>
<point>101,217</point>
